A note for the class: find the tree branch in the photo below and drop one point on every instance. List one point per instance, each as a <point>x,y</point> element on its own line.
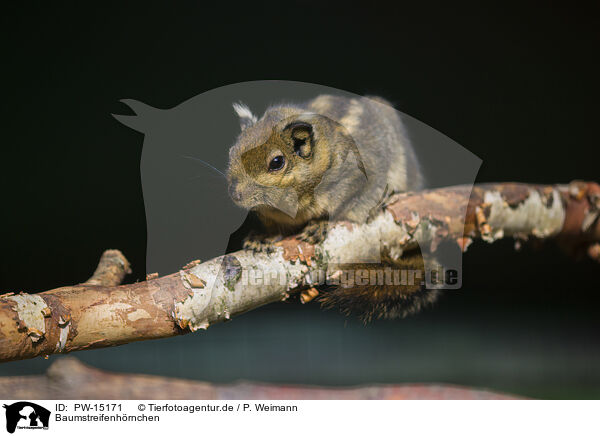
<point>99,314</point>
<point>68,378</point>
<point>111,270</point>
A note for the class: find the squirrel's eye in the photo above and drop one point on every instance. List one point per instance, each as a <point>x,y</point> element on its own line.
<point>276,163</point>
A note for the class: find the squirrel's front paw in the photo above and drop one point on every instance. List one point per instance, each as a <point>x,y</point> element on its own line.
<point>314,232</point>
<point>260,243</point>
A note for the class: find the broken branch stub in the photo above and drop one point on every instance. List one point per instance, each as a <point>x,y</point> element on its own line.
<point>111,270</point>
<point>99,313</point>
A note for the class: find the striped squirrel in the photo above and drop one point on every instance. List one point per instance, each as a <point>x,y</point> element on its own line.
<point>332,158</point>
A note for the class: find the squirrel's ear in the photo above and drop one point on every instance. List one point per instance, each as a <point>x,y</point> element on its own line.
<point>247,118</point>
<point>302,138</point>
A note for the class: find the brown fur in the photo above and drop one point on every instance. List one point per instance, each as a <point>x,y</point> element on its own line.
<point>382,301</point>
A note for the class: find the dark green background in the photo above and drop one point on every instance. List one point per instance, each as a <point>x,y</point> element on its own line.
<point>516,85</point>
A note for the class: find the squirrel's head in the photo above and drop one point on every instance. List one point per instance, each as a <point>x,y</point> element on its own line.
<point>279,160</point>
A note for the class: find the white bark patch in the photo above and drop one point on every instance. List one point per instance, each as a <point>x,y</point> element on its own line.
<point>263,278</point>
<point>341,243</point>
<point>532,216</point>
<point>30,310</point>
<point>64,335</point>
<point>364,243</point>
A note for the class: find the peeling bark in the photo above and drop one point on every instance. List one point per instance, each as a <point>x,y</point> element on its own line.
<point>99,313</point>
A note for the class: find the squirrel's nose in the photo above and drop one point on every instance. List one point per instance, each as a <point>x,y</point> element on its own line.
<point>235,194</point>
